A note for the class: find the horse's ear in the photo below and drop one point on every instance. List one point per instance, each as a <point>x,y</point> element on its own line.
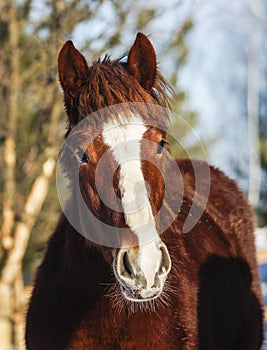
<point>72,68</point>
<point>142,63</point>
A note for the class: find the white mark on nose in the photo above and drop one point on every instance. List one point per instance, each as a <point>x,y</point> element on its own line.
<point>124,138</point>
<point>150,259</point>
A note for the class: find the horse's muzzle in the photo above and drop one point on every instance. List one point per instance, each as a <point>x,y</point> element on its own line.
<point>142,271</point>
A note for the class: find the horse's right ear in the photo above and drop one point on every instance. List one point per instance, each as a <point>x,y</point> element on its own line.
<point>72,68</point>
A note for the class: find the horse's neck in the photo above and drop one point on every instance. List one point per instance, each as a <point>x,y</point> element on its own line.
<point>80,261</point>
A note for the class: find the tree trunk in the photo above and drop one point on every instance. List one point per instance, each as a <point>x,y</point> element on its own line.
<point>5,314</point>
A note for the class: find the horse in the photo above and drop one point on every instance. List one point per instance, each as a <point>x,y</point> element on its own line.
<point>121,271</point>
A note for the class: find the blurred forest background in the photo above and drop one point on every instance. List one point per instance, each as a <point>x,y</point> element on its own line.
<point>213,53</point>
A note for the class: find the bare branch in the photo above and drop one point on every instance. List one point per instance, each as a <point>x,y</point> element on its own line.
<point>32,209</point>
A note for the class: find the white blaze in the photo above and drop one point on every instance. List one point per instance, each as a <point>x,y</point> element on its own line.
<point>124,139</point>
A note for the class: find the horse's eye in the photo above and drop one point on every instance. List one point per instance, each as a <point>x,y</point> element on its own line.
<point>160,146</point>
<point>82,155</point>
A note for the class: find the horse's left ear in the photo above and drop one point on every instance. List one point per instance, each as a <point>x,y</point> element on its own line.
<point>142,63</point>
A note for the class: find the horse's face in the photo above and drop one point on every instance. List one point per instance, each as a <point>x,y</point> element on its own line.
<point>143,263</point>
<point>123,147</point>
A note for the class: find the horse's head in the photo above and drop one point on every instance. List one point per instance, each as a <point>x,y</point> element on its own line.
<point>121,157</point>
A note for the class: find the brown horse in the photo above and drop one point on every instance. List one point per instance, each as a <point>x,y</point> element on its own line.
<point>121,270</point>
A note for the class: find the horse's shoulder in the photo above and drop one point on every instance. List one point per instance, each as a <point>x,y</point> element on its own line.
<point>221,186</point>
<point>225,200</point>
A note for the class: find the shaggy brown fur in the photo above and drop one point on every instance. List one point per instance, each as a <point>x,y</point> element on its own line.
<point>212,298</point>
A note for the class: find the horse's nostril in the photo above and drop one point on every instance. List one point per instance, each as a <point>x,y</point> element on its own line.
<point>127,264</point>
<point>165,265</point>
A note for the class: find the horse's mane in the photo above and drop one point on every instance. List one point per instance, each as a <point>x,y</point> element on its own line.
<point>109,83</point>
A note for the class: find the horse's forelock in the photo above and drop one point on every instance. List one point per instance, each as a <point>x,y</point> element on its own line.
<point>109,83</point>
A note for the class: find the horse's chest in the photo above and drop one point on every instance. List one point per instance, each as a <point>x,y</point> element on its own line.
<point>117,332</point>
<point>84,341</point>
